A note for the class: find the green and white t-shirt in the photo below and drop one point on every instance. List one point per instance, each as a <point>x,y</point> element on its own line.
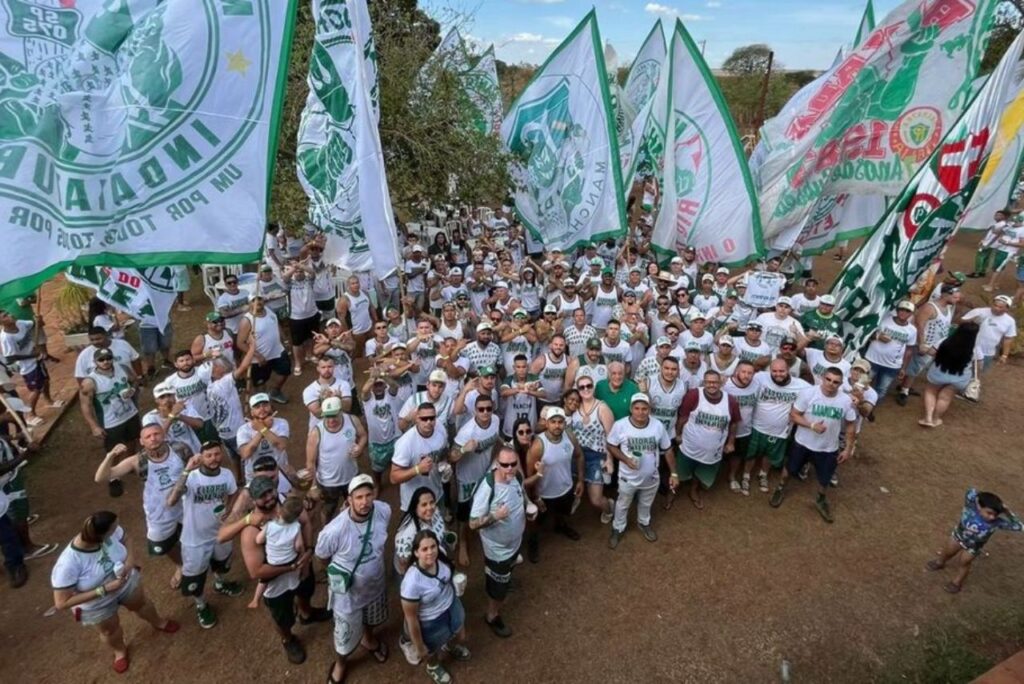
<point>204,505</point>
<point>832,411</point>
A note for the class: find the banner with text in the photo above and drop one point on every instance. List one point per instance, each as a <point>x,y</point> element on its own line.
<point>642,82</point>
<point>146,295</point>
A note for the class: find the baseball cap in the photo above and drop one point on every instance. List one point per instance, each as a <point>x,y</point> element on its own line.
<point>661,342</point>
<point>959,276</point>
<point>677,260</point>
<point>949,288</point>
<point>731,294</point>
<point>360,480</point>
<point>707,278</point>
<point>568,282</point>
<point>785,300</point>
<point>259,398</point>
<point>692,346</point>
<point>833,336</point>
<point>162,390</point>
<point>520,313</point>
<point>253,296</point>
<point>266,267</point>
<point>556,412</point>
<point>905,305</point>
<point>484,325</point>
<point>862,364</point>
<point>102,354</point>
<point>593,343</point>
<point>264,463</point>
<point>260,486</point>
<point>1005,299</point>
<point>330,407</point>
<point>394,345</point>
<point>152,420</point>
<point>639,396</point>
<point>438,375</point>
<point>629,293</point>
<point>486,371</point>
<point>788,340</point>
<point>214,317</point>
<point>722,269</point>
<point>827,300</point>
<point>753,325</point>
<point>695,316</point>
<point>607,270</point>
<point>596,261</point>
<point>501,283</point>
<point>333,321</point>
<point>689,249</point>
<point>726,340</point>
<point>417,248</point>
<point>550,308</point>
<point>455,271</point>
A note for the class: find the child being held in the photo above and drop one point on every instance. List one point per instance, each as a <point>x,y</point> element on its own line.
<point>983,514</point>
<point>282,536</point>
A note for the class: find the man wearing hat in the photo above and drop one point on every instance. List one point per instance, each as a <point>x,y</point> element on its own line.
<point>706,298</point>
<point>232,303</point>
<point>416,268</point>
<point>272,362</point>
<point>517,338</point>
<point>274,293</point>
<point>420,455</point>
<point>333,447</point>
<point>821,322</point>
<point>591,364</point>
<point>483,351</point>
<point>728,316</point>
<point>705,429</point>
<point>697,333</point>
<point>650,366</point>
<point>353,546</point>
<point>474,447</point>
<point>434,394</point>
<point>693,365</point>
<point>178,419</point>
<point>264,434</point>
<point>933,320</point>
<point>568,300</point>
<point>485,384</point>
<point>1009,242</point>
<point>891,347</point>
<point>216,342</point>
<point>605,297</point>
<point>779,324</point>
<point>336,344</point>
<point>752,348</point>
<point>818,361</point>
<point>724,358</point>
<point>379,395</point>
<point>997,329</point>
<point>124,354</point>
<point>105,398</point>
<point>638,443</point>
<point>554,463</point>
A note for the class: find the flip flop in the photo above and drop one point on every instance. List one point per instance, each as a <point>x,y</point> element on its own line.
<point>697,503</point>
<point>34,421</point>
<point>121,664</point>
<point>170,627</point>
<point>952,588</point>
<point>44,550</point>
<point>380,654</point>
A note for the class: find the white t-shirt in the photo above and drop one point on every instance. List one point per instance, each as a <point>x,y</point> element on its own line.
<point>406,532</point>
<point>992,329</point>
<point>246,433</point>
<point>20,343</point>
<point>474,464</point>
<point>771,413</point>
<point>409,449</point>
<point>236,303</point>
<point>225,406</point>
<point>832,411</point>
<point>317,392</point>
<point>646,443</point>
<point>82,571</point>
<point>203,505</point>
<point>381,418</point>
<point>890,354</point>
<point>280,546</point>
<point>774,330</point>
<point>434,593</point>
<point>818,364</point>
<point>123,352</point>
<point>177,430</point>
<point>192,389</point>
<point>341,541</point>
<point>502,538</point>
<point>801,304</point>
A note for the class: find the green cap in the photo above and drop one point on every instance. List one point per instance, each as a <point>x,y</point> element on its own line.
<point>214,317</point>
<point>486,371</point>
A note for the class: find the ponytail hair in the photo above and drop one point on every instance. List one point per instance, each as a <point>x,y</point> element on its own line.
<point>97,526</point>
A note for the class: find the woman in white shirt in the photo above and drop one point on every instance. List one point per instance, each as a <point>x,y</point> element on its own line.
<point>434,616</point>
<point>422,514</point>
<point>94,576</point>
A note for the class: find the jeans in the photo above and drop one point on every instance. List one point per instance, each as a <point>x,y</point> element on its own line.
<point>10,544</point>
<point>882,379</point>
<point>645,498</point>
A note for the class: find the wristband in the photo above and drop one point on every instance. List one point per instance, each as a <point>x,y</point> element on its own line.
<point>248,518</point>
<point>416,468</point>
<point>101,591</point>
<point>264,431</point>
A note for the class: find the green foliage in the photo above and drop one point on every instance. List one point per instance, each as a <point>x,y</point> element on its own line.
<point>513,79</point>
<point>425,143</point>
<point>743,94</point>
<point>749,60</point>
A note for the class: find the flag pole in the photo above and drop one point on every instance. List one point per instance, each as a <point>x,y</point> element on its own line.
<point>764,96</point>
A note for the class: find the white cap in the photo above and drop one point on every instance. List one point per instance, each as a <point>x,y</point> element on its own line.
<point>1005,299</point>
<point>333,321</point>
<point>417,248</point>
<point>725,340</point>
<point>785,300</point>
<point>550,308</point>
<point>438,375</point>
<point>361,480</point>
<point>723,269</point>
<point>677,260</point>
<point>501,283</point>
<point>556,412</point>
<point>663,341</point>
<point>260,398</point>
<point>162,390</point>
<point>455,271</point>
<point>905,305</point>
<point>639,396</point>
<point>827,300</point>
<point>707,278</point>
<point>331,406</point>
<point>484,325</point>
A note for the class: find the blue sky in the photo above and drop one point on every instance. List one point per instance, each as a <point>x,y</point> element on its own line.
<point>805,34</point>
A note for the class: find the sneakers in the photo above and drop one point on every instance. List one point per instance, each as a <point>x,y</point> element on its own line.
<point>17,576</point>
<point>777,496</point>
<point>607,517</point>
<point>457,651</point>
<point>745,486</point>
<point>649,533</point>
<point>277,396</point>
<point>409,650</point>
<point>762,481</point>
<point>614,539</point>
<point>498,626</point>
<point>734,486</point>
<point>901,398</point>
<point>228,588</point>
<point>834,482</point>
<point>567,531</point>
<point>295,652</point>
<point>805,471</point>
<point>824,508</point>
<point>207,618</point>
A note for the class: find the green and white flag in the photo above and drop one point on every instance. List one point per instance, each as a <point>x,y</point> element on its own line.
<point>450,55</point>
<point>561,131</point>
<point>641,84</point>
<point>708,196</point>
<point>867,24</point>
<point>136,133</point>
<point>921,221</point>
<point>481,84</point>
<point>146,295</point>
<point>835,218</point>
<point>339,160</point>
<point>881,112</point>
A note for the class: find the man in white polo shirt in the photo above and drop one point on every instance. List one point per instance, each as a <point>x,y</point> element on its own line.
<point>997,329</point>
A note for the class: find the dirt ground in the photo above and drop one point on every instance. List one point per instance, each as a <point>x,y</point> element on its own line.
<point>724,595</point>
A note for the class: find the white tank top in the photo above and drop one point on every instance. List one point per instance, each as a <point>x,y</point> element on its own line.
<point>596,373</point>
<point>455,332</point>
<point>359,310</point>
<point>518,406</point>
<point>226,345</point>
<point>280,546</point>
<point>665,402</point>
<point>158,479</point>
<point>588,428</point>
<point>334,466</point>
<point>937,329</point>
<point>566,307</point>
<point>746,398</point>
<point>604,304</point>
<point>552,377</point>
<point>111,408</point>
<point>706,430</point>
<point>268,336</point>
<point>557,460</point>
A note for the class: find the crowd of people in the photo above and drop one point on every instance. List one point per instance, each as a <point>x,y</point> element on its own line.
<point>504,389</point>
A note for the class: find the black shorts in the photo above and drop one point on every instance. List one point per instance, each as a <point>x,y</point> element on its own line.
<point>125,433</point>
<point>301,331</point>
<point>282,607</point>
<point>463,509</point>
<point>497,576</point>
<point>561,505</point>
<point>36,380</point>
<point>161,547</point>
<point>825,462</point>
<point>332,498</point>
<point>325,305</point>
<point>282,366</point>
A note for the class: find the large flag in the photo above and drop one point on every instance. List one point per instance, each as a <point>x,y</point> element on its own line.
<point>146,295</point>
<point>867,24</point>
<point>641,84</point>
<point>136,133</point>
<point>451,55</point>
<point>835,218</point>
<point>339,160</point>
<point>1003,169</point>
<point>561,131</point>
<point>880,113</point>
<point>708,196</point>
<point>920,222</point>
<point>481,84</point>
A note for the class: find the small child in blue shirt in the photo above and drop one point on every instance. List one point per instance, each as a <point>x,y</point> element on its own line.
<point>983,514</point>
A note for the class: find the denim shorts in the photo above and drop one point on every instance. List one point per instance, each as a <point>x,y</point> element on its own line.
<point>439,631</point>
<point>942,378</point>
<point>592,470</point>
<point>153,340</point>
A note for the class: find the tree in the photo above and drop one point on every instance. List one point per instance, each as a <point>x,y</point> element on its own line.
<point>427,143</point>
<point>749,60</point>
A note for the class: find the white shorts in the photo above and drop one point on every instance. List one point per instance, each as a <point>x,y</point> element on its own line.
<point>348,627</point>
<point>195,559</point>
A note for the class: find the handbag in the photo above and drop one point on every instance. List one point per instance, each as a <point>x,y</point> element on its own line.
<point>973,389</point>
<point>339,578</point>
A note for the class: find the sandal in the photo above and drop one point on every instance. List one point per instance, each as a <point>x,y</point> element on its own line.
<point>670,499</point>
<point>697,503</point>
<point>934,565</point>
<point>438,674</point>
<point>952,588</point>
<point>380,654</point>
<point>44,550</point>
<point>121,664</point>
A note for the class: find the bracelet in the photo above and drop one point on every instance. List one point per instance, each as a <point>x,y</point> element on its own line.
<point>416,468</point>
<point>101,591</point>
<point>675,475</point>
<point>248,518</point>
<point>264,431</point>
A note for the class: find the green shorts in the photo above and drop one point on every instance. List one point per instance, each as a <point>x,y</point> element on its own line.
<point>772,448</point>
<point>380,455</point>
<point>687,468</point>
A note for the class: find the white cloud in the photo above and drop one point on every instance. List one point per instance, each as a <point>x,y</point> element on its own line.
<point>666,11</point>
<point>713,3</point>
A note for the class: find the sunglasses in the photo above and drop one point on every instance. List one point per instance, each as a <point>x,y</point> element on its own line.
<point>230,282</point>
<point>587,386</point>
<point>427,419</point>
<point>508,466</point>
<point>484,409</point>
<point>524,433</point>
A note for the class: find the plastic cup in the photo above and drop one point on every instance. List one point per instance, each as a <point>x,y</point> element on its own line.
<point>459,580</point>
